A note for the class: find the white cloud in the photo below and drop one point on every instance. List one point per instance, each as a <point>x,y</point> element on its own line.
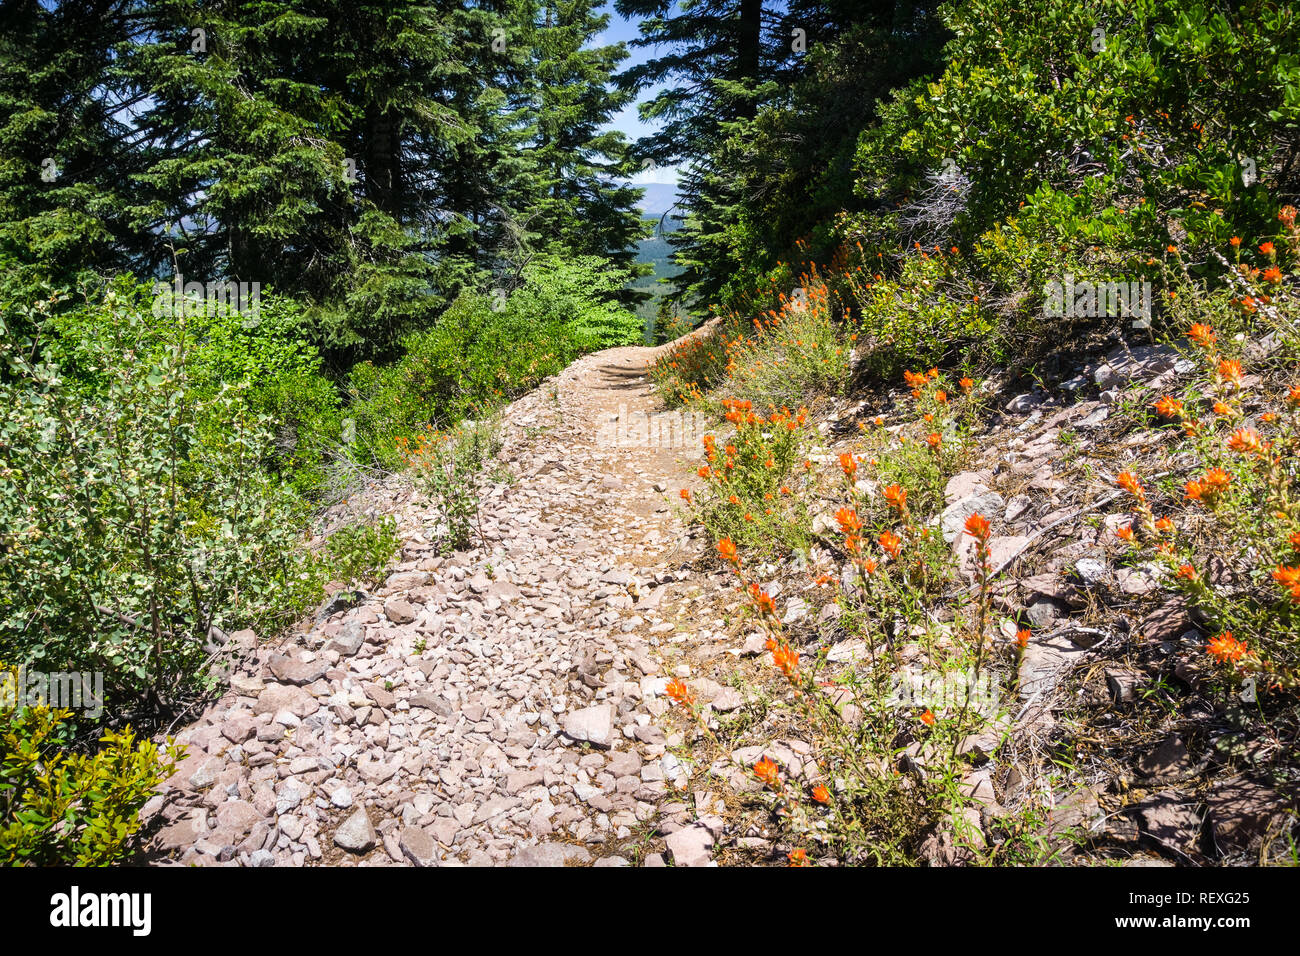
<point>667,175</point>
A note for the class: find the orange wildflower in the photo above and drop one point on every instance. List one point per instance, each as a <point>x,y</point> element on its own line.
<point>928,718</point>
<point>1124,532</point>
<point>1202,335</point>
<point>1022,638</point>
<point>1245,441</point>
<point>848,520</point>
<point>1226,648</point>
<point>767,772</point>
<point>821,794</point>
<point>896,497</point>
<point>848,463</point>
<point>727,550</point>
<point>786,660</point>
<point>1169,407</point>
<point>1130,483</point>
<point>977,526</point>
<point>890,543</point>
<point>686,495</point>
<point>678,693</point>
<point>1216,481</point>
<point>1288,577</point>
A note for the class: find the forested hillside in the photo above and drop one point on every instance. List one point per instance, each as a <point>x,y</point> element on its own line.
<point>270,272</point>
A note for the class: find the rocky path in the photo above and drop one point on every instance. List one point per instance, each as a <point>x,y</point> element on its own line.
<point>496,706</point>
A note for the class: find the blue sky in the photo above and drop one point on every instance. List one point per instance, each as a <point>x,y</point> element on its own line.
<point>623,30</point>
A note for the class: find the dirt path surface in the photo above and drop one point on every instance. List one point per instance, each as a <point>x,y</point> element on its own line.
<point>496,706</point>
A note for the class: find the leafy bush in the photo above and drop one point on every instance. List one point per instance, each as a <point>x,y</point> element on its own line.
<point>473,360</point>
<point>136,514</point>
<point>1141,107</point>
<point>265,356</point>
<point>921,316</point>
<point>61,807</point>
<point>358,553</point>
<point>444,466</point>
<point>582,293</point>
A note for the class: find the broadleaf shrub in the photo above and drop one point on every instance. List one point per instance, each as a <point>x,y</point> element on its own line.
<point>137,516</point>
<point>59,806</point>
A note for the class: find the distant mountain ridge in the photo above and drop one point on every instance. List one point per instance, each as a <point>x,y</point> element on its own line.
<point>658,199</point>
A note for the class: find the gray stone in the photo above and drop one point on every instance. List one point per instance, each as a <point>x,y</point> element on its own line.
<point>690,846</point>
<point>1171,820</point>
<point>1167,762</point>
<point>1044,661</point>
<point>418,846</point>
<point>953,519</point>
<point>348,640</point>
<point>593,725</point>
<point>1123,684</point>
<point>1091,571</point>
<point>289,671</point>
<point>399,611</point>
<point>278,697</point>
<point>357,834</point>
<point>431,701</point>
<point>550,854</point>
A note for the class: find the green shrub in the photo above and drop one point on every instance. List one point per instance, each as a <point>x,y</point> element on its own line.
<point>581,292</point>
<point>486,350</point>
<point>136,514</point>
<point>359,553</point>
<point>444,466</point>
<point>265,356</point>
<point>471,362</point>
<point>60,807</point>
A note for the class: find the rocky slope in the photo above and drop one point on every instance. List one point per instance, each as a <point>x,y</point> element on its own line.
<point>505,705</point>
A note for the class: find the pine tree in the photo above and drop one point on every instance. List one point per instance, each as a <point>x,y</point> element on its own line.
<point>585,207</point>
